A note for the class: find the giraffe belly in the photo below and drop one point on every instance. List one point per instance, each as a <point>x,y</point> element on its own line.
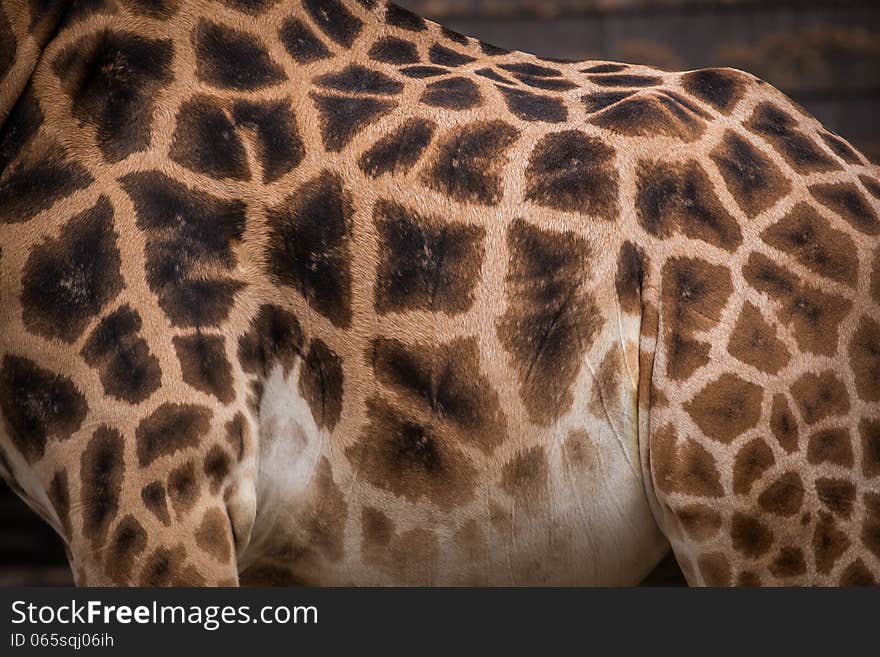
<point>318,523</point>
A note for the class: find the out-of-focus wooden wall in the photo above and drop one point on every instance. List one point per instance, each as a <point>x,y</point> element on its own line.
<point>825,54</point>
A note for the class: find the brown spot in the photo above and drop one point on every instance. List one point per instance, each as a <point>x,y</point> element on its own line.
<point>726,407</point>
<point>580,450</point>
<point>752,178</point>
<point>630,278</point>
<point>59,496</point>
<point>443,382</point>
<point>167,566</point>
<point>830,446</point>
<point>680,199</point>
<point>102,468</point>
<point>525,476</point>
<point>807,236</point>
<point>820,396</point>
<point>750,536</point>
<point>829,543</point>
<point>654,113</point>
<point>857,574</point>
<point>216,467</point>
<point>700,521</point>
<point>720,87</point>
<point>128,542</point>
<point>694,293</point>
<point>784,496</point>
<point>715,569</point>
<point>847,201</point>
<point>606,389</point>
<point>780,129</point>
<point>320,384</point>
<point>864,359</point>
<point>573,172</point>
<point>683,466</point>
<point>155,500</point>
<point>748,579</point>
<point>551,318</point>
<point>471,161</point>
<point>169,429</point>
<point>789,563</point>
<point>754,341</point>
<point>411,459</point>
<point>813,316</point>
<point>751,462</point>
<point>871,528</point>
<point>783,424</point>
<point>203,364</point>
<point>425,262</point>
<point>183,488</point>
<point>838,495</point>
<point>870,432</point>
<point>213,535</point>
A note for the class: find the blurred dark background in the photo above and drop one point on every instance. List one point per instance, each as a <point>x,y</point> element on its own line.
<point>825,54</point>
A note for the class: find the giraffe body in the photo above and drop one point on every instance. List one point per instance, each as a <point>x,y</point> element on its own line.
<point>319,292</point>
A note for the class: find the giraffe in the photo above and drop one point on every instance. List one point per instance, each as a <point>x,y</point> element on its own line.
<point>319,292</point>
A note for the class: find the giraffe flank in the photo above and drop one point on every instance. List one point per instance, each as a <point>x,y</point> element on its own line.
<point>320,292</point>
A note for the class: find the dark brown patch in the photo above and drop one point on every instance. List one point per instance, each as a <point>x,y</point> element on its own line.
<point>857,574</point>
<point>869,429</point>
<point>755,341</point>
<point>838,495</point>
<point>751,462</point>
<point>216,467</point>
<point>101,473</point>
<point>37,405</point>
<point>753,180</point>
<point>167,566</point>
<point>870,535</point>
<point>714,569</point>
<point>720,87</point>
<point>205,141</point>
<point>308,245</point>
<point>783,424</point>
<point>694,293</point>
<point>67,280</point>
<point>813,316</point>
<point>525,476</point>
<point>573,171</point>
<point>847,201</point>
<point>840,148</point>
<point>700,521</point>
<point>784,495</point>
<point>679,198</point>
<point>806,235</point>
<point>213,535</point>
<point>320,384</point>
<point>59,496</point>
<point>864,359</point>
<point>830,446</point>
<point>789,563</point>
<point>455,93</point>
<point>170,428</point>
<point>551,318</point>
<point>204,365</point>
<point>342,118</point>
<point>155,500</point>
<point>274,337</point>
<point>127,369</point>
<point>445,383</point>
<point>781,130</point>
<point>829,543</point>
<point>182,487</point>
<point>425,262</point>
<point>411,459</point>
<point>470,162</point>
<point>750,536</point>
<point>726,407</point>
<point>654,114</point>
<point>128,542</point>
<point>683,466</point>
<point>629,280</point>
<point>398,151</point>
<point>820,395</point>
